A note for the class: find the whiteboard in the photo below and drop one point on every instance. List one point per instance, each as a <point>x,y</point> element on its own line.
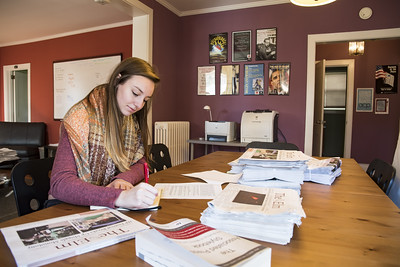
<point>74,79</point>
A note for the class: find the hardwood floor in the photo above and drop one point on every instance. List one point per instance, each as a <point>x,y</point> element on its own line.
<point>8,209</point>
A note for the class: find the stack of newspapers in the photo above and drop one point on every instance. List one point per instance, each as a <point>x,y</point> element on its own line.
<point>283,168</point>
<point>271,168</point>
<point>323,171</point>
<point>261,213</point>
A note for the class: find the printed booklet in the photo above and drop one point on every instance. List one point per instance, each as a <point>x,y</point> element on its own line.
<point>185,242</point>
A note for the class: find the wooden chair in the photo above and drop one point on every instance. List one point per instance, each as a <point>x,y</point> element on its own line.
<point>382,173</point>
<point>31,184</point>
<point>272,145</point>
<point>160,158</point>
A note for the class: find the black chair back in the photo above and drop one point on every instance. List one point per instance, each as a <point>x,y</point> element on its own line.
<point>31,184</point>
<point>382,173</point>
<point>272,145</point>
<point>160,158</point>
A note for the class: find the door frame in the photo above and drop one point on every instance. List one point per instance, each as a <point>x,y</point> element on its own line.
<point>312,41</point>
<point>7,70</point>
<point>349,63</point>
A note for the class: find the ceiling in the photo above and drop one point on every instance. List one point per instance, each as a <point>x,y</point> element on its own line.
<point>24,21</point>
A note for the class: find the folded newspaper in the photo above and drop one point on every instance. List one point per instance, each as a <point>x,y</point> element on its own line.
<point>47,241</point>
<point>185,242</point>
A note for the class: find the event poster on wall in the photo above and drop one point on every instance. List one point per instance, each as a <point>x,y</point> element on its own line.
<point>206,80</point>
<point>386,77</point>
<point>218,47</point>
<point>254,79</point>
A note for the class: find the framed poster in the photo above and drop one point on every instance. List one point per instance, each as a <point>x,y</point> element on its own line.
<point>278,78</point>
<point>382,106</point>
<point>266,44</point>
<point>254,79</point>
<point>206,80</point>
<point>241,46</point>
<point>218,47</point>
<point>364,99</point>
<point>386,77</point>
<point>229,80</point>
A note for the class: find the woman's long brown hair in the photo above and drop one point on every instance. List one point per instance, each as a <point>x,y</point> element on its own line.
<point>114,119</point>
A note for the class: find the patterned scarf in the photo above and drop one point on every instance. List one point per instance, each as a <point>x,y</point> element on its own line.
<point>86,132</point>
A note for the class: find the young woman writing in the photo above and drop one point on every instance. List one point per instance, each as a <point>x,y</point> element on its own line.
<point>103,145</point>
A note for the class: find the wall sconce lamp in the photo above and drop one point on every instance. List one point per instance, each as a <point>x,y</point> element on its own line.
<point>209,109</point>
<point>356,48</point>
<point>311,3</point>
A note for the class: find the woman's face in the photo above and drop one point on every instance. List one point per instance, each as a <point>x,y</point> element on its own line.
<point>132,95</point>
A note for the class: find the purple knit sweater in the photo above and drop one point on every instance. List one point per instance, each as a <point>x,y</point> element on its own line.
<point>66,186</point>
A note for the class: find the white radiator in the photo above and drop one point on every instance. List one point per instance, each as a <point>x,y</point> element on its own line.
<point>174,134</point>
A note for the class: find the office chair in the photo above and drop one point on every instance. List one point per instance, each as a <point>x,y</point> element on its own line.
<point>382,173</point>
<point>160,158</point>
<point>31,184</point>
<point>272,145</point>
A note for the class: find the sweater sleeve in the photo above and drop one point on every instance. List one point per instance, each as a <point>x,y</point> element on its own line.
<point>135,174</point>
<point>66,186</point>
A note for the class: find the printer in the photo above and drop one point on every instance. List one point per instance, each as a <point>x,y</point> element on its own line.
<point>259,125</point>
<point>221,131</point>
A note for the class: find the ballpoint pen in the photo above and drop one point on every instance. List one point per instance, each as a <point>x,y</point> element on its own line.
<point>146,172</point>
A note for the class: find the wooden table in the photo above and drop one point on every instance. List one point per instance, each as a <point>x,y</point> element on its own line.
<point>350,223</point>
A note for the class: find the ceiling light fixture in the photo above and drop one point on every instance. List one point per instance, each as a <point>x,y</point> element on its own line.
<point>356,48</point>
<point>102,2</point>
<point>310,3</point>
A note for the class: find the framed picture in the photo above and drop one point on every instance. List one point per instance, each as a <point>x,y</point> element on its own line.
<point>254,79</point>
<point>229,80</point>
<point>241,46</point>
<point>278,78</point>
<point>206,80</point>
<point>266,44</point>
<point>218,47</point>
<point>386,77</point>
<point>364,99</point>
<point>381,105</point>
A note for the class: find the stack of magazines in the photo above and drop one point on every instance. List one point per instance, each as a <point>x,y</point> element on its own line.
<point>271,168</point>
<point>266,214</point>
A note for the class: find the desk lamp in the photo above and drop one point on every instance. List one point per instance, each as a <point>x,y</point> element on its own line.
<point>209,109</point>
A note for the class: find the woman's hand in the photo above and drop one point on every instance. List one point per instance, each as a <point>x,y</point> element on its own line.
<point>120,184</point>
<point>140,196</point>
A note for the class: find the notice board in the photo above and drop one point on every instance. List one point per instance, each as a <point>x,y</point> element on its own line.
<point>74,79</point>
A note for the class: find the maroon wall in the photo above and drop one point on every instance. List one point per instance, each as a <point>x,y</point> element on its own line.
<point>294,24</point>
<point>41,56</point>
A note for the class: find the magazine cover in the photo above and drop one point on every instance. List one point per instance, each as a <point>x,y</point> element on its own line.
<point>47,241</point>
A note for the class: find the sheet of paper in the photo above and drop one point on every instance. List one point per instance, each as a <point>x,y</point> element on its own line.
<point>215,177</point>
<point>188,190</point>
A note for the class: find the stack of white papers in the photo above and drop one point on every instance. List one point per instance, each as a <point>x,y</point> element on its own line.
<point>7,154</point>
<point>266,214</point>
